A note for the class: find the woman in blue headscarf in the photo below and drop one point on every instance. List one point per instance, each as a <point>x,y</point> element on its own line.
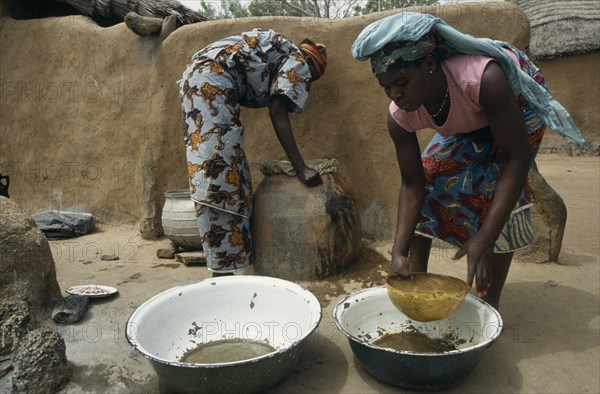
<point>490,107</point>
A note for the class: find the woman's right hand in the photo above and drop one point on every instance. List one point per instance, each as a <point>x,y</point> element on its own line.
<point>400,266</point>
<point>310,177</point>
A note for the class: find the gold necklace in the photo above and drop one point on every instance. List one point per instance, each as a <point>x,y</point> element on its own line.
<point>441,106</point>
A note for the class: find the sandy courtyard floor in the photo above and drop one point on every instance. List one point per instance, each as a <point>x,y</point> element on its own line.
<point>551,341</point>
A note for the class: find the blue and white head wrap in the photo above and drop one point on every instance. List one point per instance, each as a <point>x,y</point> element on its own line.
<point>413,29</point>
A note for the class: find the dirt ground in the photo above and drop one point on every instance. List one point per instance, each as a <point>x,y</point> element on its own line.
<point>551,312</point>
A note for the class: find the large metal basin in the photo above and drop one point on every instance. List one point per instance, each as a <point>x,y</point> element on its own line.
<point>367,315</point>
<point>272,310</point>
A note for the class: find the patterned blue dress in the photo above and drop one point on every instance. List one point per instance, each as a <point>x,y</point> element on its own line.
<point>244,70</point>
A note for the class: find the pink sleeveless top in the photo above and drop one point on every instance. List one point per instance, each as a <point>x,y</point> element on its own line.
<point>463,73</point>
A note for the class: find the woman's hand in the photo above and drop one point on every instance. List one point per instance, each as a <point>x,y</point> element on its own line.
<point>400,266</point>
<point>309,176</point>
<point>479,257</point>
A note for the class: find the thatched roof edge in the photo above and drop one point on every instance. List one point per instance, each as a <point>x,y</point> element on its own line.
<point>562,28</point>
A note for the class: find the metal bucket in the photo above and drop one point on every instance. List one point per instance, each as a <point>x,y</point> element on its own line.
<point>270,310</point>
<point>367,315</point>
<point>179,220</point>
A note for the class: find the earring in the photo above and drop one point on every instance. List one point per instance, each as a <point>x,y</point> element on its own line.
<point>430,72</point>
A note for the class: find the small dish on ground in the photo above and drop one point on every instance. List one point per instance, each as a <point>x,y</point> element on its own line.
<point>92,291</point>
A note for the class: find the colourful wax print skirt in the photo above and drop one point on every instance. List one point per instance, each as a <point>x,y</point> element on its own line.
<point>461,172</point>
<point>218,171</point>
<point>226,239</point>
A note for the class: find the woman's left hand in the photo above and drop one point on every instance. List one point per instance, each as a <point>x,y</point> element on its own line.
<point>479,257</point>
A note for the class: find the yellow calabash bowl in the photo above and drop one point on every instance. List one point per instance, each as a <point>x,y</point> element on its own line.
<point>426,297</point>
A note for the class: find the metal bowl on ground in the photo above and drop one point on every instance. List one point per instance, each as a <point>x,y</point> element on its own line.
<point>268,310</point>
<point>368,315</point>
<point>426,297</point>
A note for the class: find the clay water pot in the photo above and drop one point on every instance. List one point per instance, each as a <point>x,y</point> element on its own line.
<point>300,232</point>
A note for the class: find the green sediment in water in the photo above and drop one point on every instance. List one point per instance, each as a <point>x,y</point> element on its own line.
<point>414,341</point>
<point>226,351</point>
